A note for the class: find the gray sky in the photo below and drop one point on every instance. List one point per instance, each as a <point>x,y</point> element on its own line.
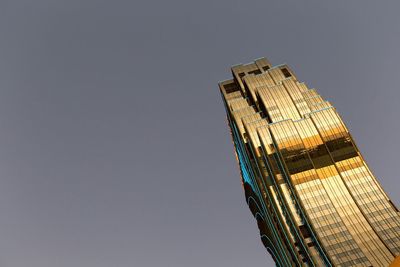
<point>114,148</point>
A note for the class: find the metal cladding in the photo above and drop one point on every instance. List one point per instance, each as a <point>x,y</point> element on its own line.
<point>315,200</point>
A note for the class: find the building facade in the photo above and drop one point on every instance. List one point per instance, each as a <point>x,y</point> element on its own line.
<point>315,200</point>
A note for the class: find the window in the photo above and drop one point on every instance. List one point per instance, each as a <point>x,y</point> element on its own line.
<point>255,72</point>
<point>304,231</point>
<point>265,68</point>
<point>230,88</point>
<point>286,72</point>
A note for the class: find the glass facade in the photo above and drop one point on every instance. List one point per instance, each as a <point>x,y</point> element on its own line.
<point>315,200</point>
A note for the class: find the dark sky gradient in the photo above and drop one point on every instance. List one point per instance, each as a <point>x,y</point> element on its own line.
<point>114,148</point>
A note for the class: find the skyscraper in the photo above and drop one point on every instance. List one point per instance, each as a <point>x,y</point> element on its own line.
<point>315,200</point>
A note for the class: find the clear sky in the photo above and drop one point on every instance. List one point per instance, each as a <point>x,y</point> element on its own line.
<point>114,147</point>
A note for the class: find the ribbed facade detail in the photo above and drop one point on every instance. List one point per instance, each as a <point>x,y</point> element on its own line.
<point>315,200</point>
